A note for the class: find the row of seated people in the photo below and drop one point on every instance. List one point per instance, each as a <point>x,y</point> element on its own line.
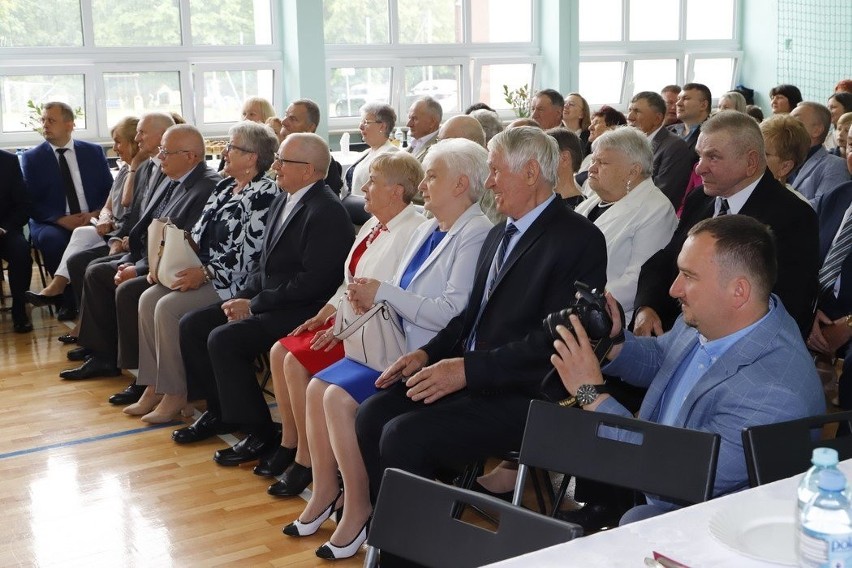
<point>483,364</point>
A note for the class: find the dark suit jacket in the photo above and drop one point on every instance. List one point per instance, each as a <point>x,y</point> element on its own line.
<point>673,162</point>
<point>184,211</point>
<point>830,208</point>
<point>299,266</point>
<point>44,181</point>
<point>512,351</point>
<point>794,224</point>
<point>15,203</point>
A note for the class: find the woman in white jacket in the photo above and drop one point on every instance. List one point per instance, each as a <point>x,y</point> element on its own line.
<point>430,287</point>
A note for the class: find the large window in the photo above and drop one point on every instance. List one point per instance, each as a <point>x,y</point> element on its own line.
<point>113,58</point>
<point>395,51</point>
<point>627,46</point>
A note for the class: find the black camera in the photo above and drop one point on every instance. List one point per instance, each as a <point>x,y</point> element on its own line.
<point>589,307</point>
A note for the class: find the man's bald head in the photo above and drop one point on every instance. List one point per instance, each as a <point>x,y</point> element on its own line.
<point>463,126</point>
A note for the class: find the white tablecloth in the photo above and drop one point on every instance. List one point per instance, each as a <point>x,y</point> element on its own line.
<point>682,535</point>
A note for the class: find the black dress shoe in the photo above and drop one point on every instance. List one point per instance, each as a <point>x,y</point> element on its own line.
<point>22,325</point>
<point>592,517</point>
<point>40,300</point>
<point>248,449</point>
<point>93,367</point>
<point>66,314</point>
<point>78,354</point>
<point>276,463</point>
<point>479,488</point>
<point>293,482</point>
<point>131,394</point>
<point>207,426</point>
<point>67,339</point>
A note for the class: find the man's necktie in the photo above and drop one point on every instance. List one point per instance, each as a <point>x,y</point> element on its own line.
<point>167,196</point>
<point>511,231</point>
<point>70,190</point>
<point>836,256</point>
<point>724,209</point>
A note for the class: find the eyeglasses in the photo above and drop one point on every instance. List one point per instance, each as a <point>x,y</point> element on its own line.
<point>281,160</point>
<point>229,147</point>
<point>161,151</point>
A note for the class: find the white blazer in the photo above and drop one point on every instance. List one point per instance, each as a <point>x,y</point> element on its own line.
<point>383,255</point>
<point>441,286</point>
<point>635,227</point>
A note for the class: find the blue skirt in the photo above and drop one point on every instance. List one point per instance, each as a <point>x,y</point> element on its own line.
<point>353,377</point>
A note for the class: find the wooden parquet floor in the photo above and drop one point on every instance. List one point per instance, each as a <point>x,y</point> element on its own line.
<point>83,484</point>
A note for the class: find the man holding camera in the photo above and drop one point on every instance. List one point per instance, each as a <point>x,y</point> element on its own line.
<point>734,359</point>
<point>464,395</point>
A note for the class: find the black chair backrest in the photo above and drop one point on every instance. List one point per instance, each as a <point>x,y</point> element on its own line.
<point>778,451</point>
<point>354,205</point>
<point>413,519</point>
<point>674,463</point>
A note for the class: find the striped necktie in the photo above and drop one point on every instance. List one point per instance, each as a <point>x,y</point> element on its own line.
<point>836,256</point>
<point>724,209</point>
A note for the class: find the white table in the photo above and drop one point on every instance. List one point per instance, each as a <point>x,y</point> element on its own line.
<point>682,535</point>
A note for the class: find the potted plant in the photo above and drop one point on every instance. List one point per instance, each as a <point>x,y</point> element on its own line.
<point>519,99</point>
<point>34,116</point>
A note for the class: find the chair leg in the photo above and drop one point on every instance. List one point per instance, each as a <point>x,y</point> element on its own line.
<point>469,475</point>
<point>42,271</point>
<point>264,369</point>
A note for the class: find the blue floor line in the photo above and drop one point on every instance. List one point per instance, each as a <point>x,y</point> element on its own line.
<point>90,439</point>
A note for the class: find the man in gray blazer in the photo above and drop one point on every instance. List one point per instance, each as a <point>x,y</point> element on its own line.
<point>734,359</point>
<point>822,171</point>
<point>109,338</point>
<point>673,159</point>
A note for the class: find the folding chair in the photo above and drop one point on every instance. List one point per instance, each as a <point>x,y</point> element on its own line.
<point>413,520</point>
<point>675,463</point>
<point>778,451</point>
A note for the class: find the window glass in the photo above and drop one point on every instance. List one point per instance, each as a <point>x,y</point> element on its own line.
<point>225,91</point>
<point>441,82</point>
<point>490,23</point>
<point>653,74</point>
<point>125,23</point>
<point>600,20</point>
<point>18,90</point>
<point>351,87</point>
<point>601,82</point>
<point>356,21</point>
<point>32,23</point>
<point>231,22</point>
<point>654,20</point>
<point>494,77</point>
<point>709,20</point>
<point>134,92</point>
<point>716,73</point>
<point>436,21</point>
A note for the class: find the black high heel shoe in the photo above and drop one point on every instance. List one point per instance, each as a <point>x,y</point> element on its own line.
<point>40,300</point>
<point>329,551</point>
<point>298,528</point>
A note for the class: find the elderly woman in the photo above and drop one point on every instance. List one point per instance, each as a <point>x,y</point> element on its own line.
<point>635,217</point>
<point>311,347</point>
<point>570,156</point>
<point>255,109</point>
<point>230,236</point>
<point>787,143</point>
<point>784,98</point>
<point>430,287</point>
<point>576,116</point>
<point>732,100</point>
<point>377,122</point>
<point>112,216</point>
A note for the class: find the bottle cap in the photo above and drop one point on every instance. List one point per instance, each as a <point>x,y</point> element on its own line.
<point>832,480</point>
<point>824,457</point>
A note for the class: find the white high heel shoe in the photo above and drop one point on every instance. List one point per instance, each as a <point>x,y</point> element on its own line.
<point>329,551</point>
<point>298,528</point>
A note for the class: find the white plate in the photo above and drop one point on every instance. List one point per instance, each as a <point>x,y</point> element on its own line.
<point>764,530</point>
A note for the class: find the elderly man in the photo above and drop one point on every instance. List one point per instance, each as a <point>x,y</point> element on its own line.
<point>672,157</point>
<point>303,115</point>
<point>669,94</point>
<point>732,165</point>
<point>693,108</point>
<point>463,126</point>
<point>308,238</point>
<point>546,108</point>
<point>490,122</point>
<point>733,360</point>
<point>822,171</point>
<point>464,395</point>
<point>68,181</point>
<point>109,338</point>
<point>424,118</point>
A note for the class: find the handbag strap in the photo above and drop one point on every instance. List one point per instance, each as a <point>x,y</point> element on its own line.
<point>341,332</point>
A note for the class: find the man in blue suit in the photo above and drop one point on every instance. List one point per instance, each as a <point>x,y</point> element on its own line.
<point>734,359</point>
<point>68,181</point>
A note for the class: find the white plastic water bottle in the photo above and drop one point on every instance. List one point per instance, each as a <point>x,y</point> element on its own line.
<point>344,142</point>
<point>822,458</point>
<point>825,537</point>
